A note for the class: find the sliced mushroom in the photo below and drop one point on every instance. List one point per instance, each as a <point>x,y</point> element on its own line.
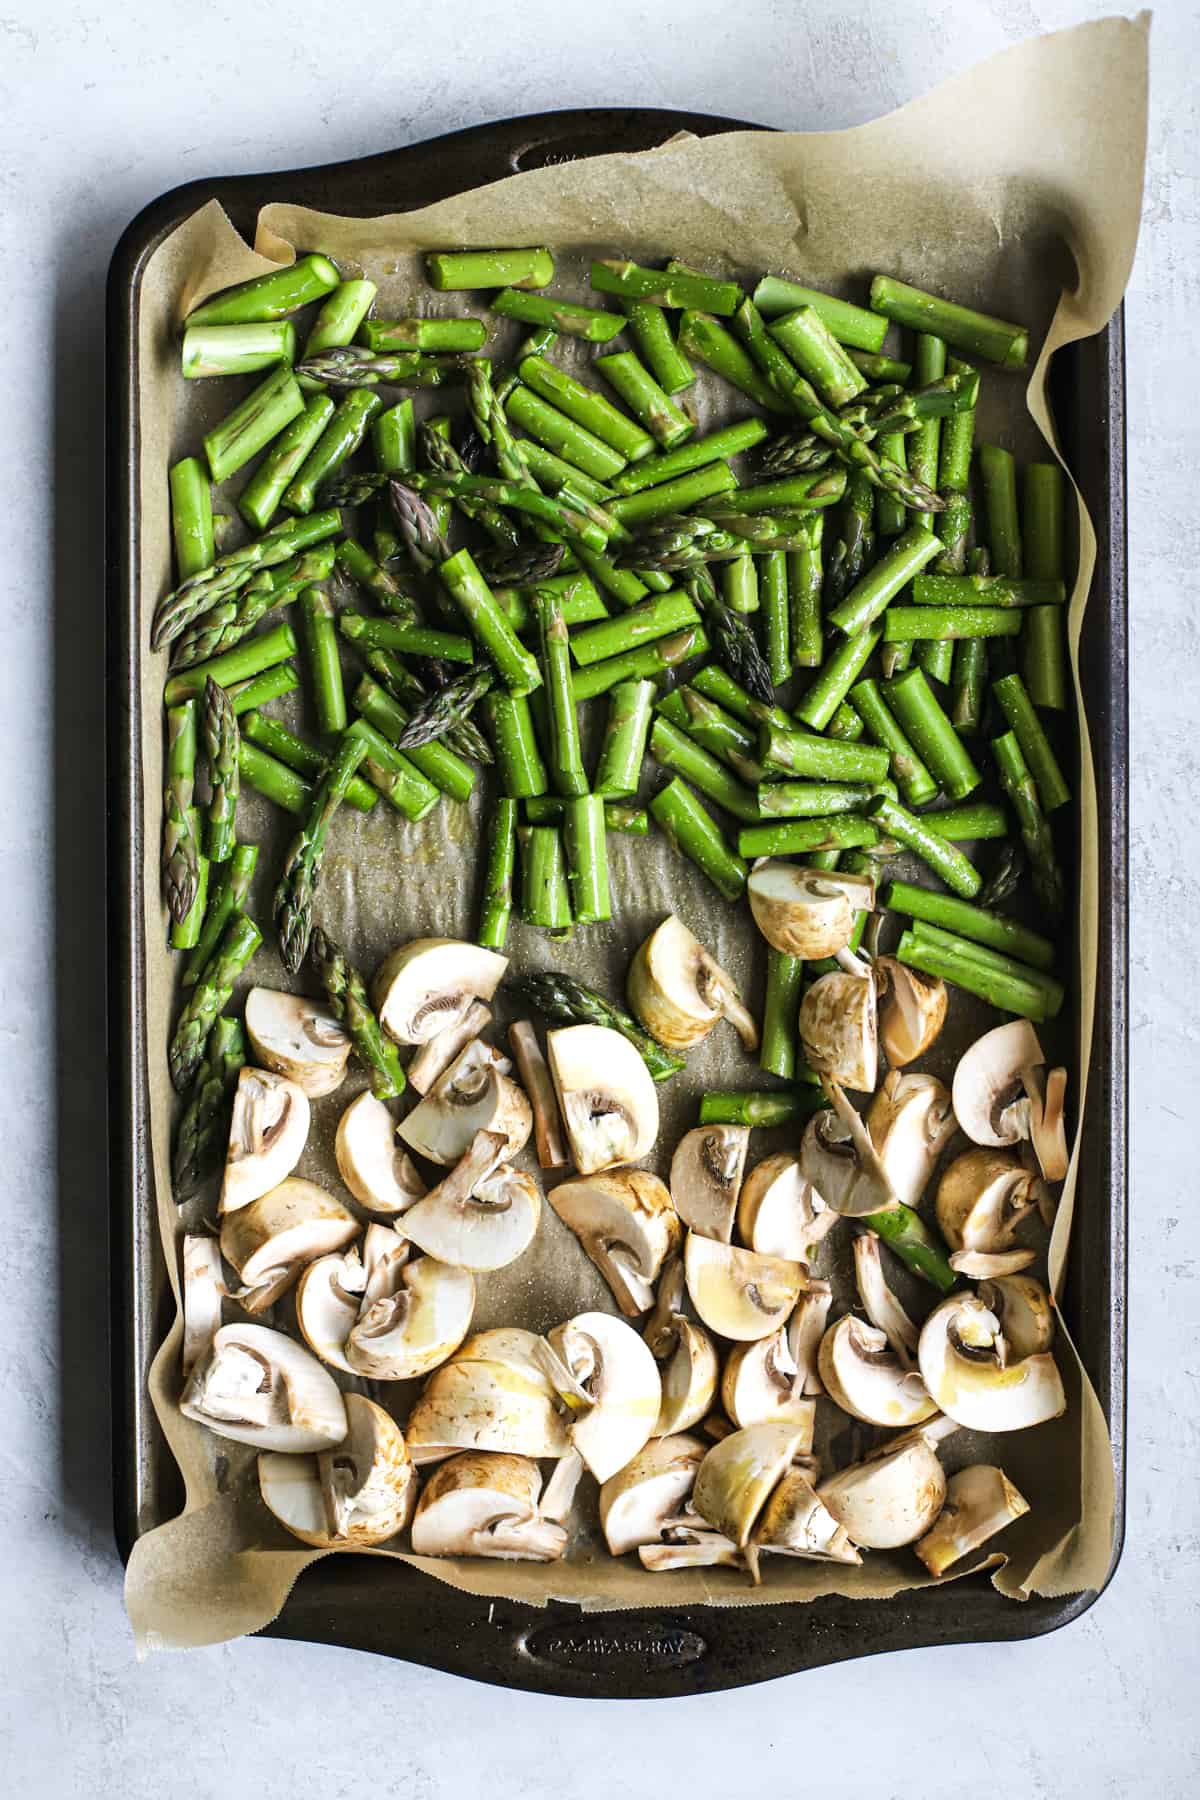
<point>866,1378</point>
<point>403,1335</point>
<point>910,1121</point>
<point>738,1293</point>
<point>267,1135</point>
<point>535,1078</point>
<point>679,991</point>
<point>651,1491</point>
<point>838,1158</point>
<point>472,1096</point>
<point>438,1052</point>
<point>688,1372</point>
<point>1047,1123</point>
<point>1025,1312</point>
<point>912,1010</point>
<point>297,1038</point>
<point>989,1089</point>
<point>358,1495</point>
<point>879,1303</point>
<point>739,1473</point>
<point>203,1293</point>
<point>627,1225</point>
<point>259,1387</point>
<point>965,1365</point>
<point>483,1215</point>
<point>982,1265</point>
<point>328,1300</point>
<point>892,1496</point>
<point>982,1198</point>
<point>493,1396</point>
<point>659,1329</point>
<point>796,1522</point>
<point>381,1176</point>
<point>760,1384</point>
<point>706,1177</point>
<point>270,1241</point>
<point>384,1253</point>
<point>980,1501</point>
<point>838,1030</point>
<point>486,1505</point>
<point>806,912</point>
<point>558,1495</point>
<point>607,1095</point>
<point>606,1362</point>
<point>780,1212</point>
<point>686,1547</point>
<point>806,1328</point>
<point>431,984</point>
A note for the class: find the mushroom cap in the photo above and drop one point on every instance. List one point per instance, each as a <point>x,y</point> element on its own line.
<point>706,1177</point>
<point>689,1378</point>
<point>981,1199</point>
<point>1024,1309</point>
<point>296,1037</point>
<point>891,1497</point>
<point>606,1094</point>
<point>806,912</point>
<point>358,1495</point>
<point>627,1225</point>
<point>739,1473</point>
<point>866,1378</point>
<point>423,987</point>
<point>486,1228</point>
<point>471,1404</point>
<point>738,1293</point>
<point>796,1522</point>
<point>651,1489</point>
<point>980,1501</point>
<point>678,991</point>
<point>758,1384</point>
<point>912,1010</point>
<point>472,1095</point>
<point>620,1377</point>
<point>405,1335</point>
<point>328,1299</point>
<point>259,1387</point>
<point>203,1292</point>
<point>838,1030</point>
<point>381,1176</point>
<point>780,1212</point>
<point>963,1363</point>
<point>910,1121</point>
<point>273,1238</point>
<point>486,1505</point>
<point>987,1083</point>
<point>267,1134</point>
<point>839,1160</point>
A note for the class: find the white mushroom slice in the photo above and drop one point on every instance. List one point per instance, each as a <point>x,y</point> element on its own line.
<point>796,1522</point>
<point>267,1135</point>
<point>1047,1124</point>
<point>982,1198</point>
<point>270,1241</point>
<point>910,1121</point>
<point>1025,1311</point>
<point>483,1215</point>
<point>980,1501</point>
<point>203,1292</point>
<point>381,1176</point>
<point>780,1212</point>
<point>838,1029</point>
<point>879,1303</point>
<point>328,1300</point>
<point>806,912</point>
<point>438,1052</point>
<point>659,1329</point>
<point>739,1473</point>
<point>627,1225</point>
<point>979,1265</point>
<point>473,1095</point>
<point>406,1334</point>
<point>678,991</point>
<point>619,1379</point>
<point>259,1387</point>
<point>890,1498</point>
<point>838,1158</point>
<point>607,1095</point>
<point>965,1366</point>
<point>686,1548</point>
<point>639,1500</point>
<point>358,1495</point>
<point>759,1384</point>
<point>486,1505</point>
<point>706,1177</point>
<point>558,1495</point>
<point>989,1092</point>
<point>738,1293</point>
<point>535,1078</point>
<point>912,1010</point>
<point>431,984</point>
<point>384,1253</point>
<point>492,1397</point>
<point>866,1378</point>
<point>806,1328</point>
<point>688,1372</point>
<point>297,1038</point>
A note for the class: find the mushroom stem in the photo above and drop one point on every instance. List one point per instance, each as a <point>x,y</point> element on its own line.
<point>853,965</point>
<point>879,1303</point>
<point>435,1056</point>
<point>539,1089</point>
<point>485,1151</point>
<point>559,1491</point>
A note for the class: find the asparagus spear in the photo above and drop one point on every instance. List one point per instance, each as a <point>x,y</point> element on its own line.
<point>733,643</point>
<point>498,880</point>
<point>732,1106</point>
<point>271,296</point>
<point>696,835</point>
<point>970,920</point>
<point>307,760</point>
<point>191,517</point>
<point>200,1140</point>
<point>221,740</point>
<point>302,866</point>
<point>584,832</point>
<point>1017,708</point>
<point>180,849</point>
<point>350,1004</point>
<point>447,270</point>
<point>353,366</point>
<point>418,526</point>
<point>565,1001</point>
<point>978,334</point>
<point>1019,786</point>
<point>686,540</point>
<point>230,573</point>
<point>385,335</point>
<point>210,997</point>
<point>253,423</point>
<point>566,757</point>
<point>448,707</point>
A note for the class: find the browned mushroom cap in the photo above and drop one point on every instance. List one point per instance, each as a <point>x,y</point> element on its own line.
<point>982,1198</point>
<point>912,1010</point>
<point>806,912</point>
<point>780,1212</point>
<point>360,1494</point>
<point>838,1029</point>
<point>491,1396</point>
<point>679,991</point>
<point>893,1495</point>
<point>650,1492</point>
<point>486,1505</point>
<point>739,1473</point>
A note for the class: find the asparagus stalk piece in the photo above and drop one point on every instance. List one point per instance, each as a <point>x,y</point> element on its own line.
<point>739,582</point>
<point>845,724</point>
<point>498,877</point>
<point>907,1236</point>
<point>1028,998</point>
<point>802,837</point>
<point>191,517</point>
<point>273,779</point>
<point>698,453</point>
<point>324,664</point>
<point>349,1002</point>
<point>1036,835</point>
<point>210,350</point>
<point>565,1001</point>
<point>1043,661</point>
<point>874,366</point>
<point>358,566</point>
<point>871,596</point>
<point>779,1051</point>
<point>782,750</point>
<point>407,640</point>
<point>589,409</point>
<point>553,428</point>
<point>582,521</point>
<point>908,771</point>
<point>672,497</point>
<point>271,296</point>
<point>773,601</point>
<point>818,355</point>
<point>203,1129</point>
<point>180,847</point>
<point>836,677</point>
<point>249,657</point>
<point>260,498</point>
<point>719,732</point>
<point>651,333</point>
<point>296,890</point>
<point>648,660</point>
<point>674,287</point>
<point>394,439</point>
<point>209,998</point>
<point>850,325</point>
<point>667,423</point>
<point>354,367</point>
<point>974,333</point>
<point>924,450</point>
<point>733,643</point>
<point>227,894</point>
<point>948,624</point>
<point>515,666</point>
<point>253,423</point>
<point>970,921</point>
<point>402,784</point>
<point>549,809</point>
<point>269,735</point>
<point>185,933</point>
<point>708,341</point>
<point>545,897</point>
<point>1017,708</point>
<point>341,314</point>
<point>387,335</point>
<point>814,799</point>
<point>969,677</point>
<point>333,449</point>
<point>999,473</point>
<point>589,322</point>
<point>924,720</point>
<point>438,762</point>
<point>566,757</point>
<point>461,269</point>
<point>943,857</point>
<point>584,832</point>
<point>518,759</point>
<point>272,684</point>
<point>985,590</point>
<point>656,617</point>
<point>623,748</point>
<point>977,819</point>
<point>731,1106</point>
<point>694,833</point>
<point>682,755</point>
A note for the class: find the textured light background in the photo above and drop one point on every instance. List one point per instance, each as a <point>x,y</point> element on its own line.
<point>100,110</point>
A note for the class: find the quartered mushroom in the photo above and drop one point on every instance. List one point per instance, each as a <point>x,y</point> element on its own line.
<point>806,912</point>
<point>678,991</point>
<point>379,1173</point>
<point>483,1215</point>
<point>838,1028</point>
<point>912,1010</point>
<point>607,1378</point>
<point>706,1177</point>
<point>298,1038</point>
<point>838,1159</point>
<point>796,1522</point>
<point>401,1335</point>
<point>1024,1310</point>
<point>259,1387</point>
<point>267,1134</point>
<point>486,1504</point>
<point>1003,1096</point>
<point>867,1379</point>
<point>739,1473</point>
<point>981,1199</point>
<point>539,1090</point>
<point>431,984</point>
<point>780,1212</point>
<point>270,1241</point>
<point>438,1052</point>
<point>492,1396</point>
<point>879,1303</point>
<point>910,1121</point>
<point>474,1094</point>
<point>358,1495</point>
<point>685,1546</point>
<point>761,1382</point>
<point>806,1328</point>
<point>966,1367</point>
<point>607,1095</point>
<point>203,1282</point>
<point>685,1354</point>
<point>328,1299</point>
<point>895,1493</point>
<point>651,1493</point>
<point>738,1293</point>
<point>980,1501</point>
<point>627,1224</point>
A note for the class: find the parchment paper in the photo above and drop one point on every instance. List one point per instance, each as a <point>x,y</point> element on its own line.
<point>1016,188</point>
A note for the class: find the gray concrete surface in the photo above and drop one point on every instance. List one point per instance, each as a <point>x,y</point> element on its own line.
<point>100,109</point>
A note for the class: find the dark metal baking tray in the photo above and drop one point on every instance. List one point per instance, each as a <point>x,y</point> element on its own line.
<point>387,1607</point>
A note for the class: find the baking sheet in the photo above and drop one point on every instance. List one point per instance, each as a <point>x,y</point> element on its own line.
<point>1015,187</point>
